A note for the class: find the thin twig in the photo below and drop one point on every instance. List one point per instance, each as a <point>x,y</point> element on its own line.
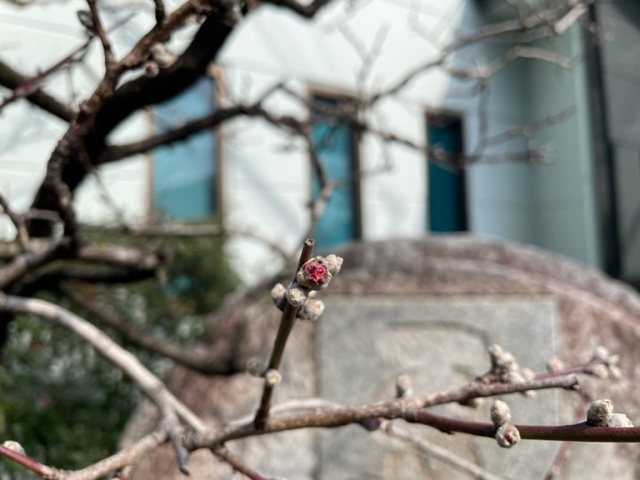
<point>238,465</point>
<point>128,363</point>
<point>109,59</point>
<point>286,325</point>
<point>32,464</point>
<point>160,11</point>
<point>18,222</point>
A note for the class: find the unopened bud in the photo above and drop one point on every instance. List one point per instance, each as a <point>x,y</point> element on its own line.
<point>599,412</point>
<point>371,424</point>
<point>500,413</point>
<point>278,295</point>
<point>619,420</point>
<point>614,372</point>
<point>528,374</point>
<point>296,296</point>
<point>162,56</point>
<point>501,359</point>
<point>272,377</point>
<point>256,367</point>
<point>314,274</point>
<point>554,364</point>
<point>15,446</point>
<point>598,371</point>
<point>151,69</point>
<point>601,354</point>
<point>507,436</point>
<point>312,310</point>
<point>334,263</point>
<point>403,386</point>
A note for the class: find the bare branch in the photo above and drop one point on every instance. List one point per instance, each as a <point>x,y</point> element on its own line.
<point>31,464</point>
<point>228,456</point>
<point>128,456</point>
<point>109,59</point>
<point>148,383</point>
<point>286,325</point>
<point>29,261</point>
<point>18,222</point>
<point>25,86</point>
<point>308,11</point>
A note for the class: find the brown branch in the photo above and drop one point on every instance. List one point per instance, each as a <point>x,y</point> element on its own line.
<point>128,456</point>
<point>117,152</point>
<point>19,83</point>
<point>109,58</point>
<point>18,222</point>
<point>31,464</point>
<point>286,325</point>
<point>193,230</point>
<point>409,409</point>
<point>29,261</point>
<point>308,11</point>
<point>170,407</point>
<point>160,11</point>
<point>228,456</point>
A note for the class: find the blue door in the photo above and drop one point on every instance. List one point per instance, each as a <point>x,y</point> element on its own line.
<point>334,144</point>
<point>447,196</point>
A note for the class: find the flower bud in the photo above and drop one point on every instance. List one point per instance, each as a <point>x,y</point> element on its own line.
<point>619,420</point>
<point>311,310</point>
<point>296,296</point>
<point>507,436</point>
<point>15,446</point>
<point>151,69</point>
<point>615,373</point>
<point>500,413</point>
<point>598,371</point>
<point>272,377</point>
<point>314,274</point>
<point>599,412</point>
<point>278,295</point>
<point>554,364</point>
<point>601,354</point>
<point>256,367</point>
<point>334,263</point>
<point>403,386</point>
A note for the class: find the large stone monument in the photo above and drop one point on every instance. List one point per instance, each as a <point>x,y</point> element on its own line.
<point>428,309</point>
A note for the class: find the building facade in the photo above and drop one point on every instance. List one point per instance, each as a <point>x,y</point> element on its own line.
<point>567,97</point>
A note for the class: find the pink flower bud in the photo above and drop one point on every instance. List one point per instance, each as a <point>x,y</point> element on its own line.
<point>314,274</point>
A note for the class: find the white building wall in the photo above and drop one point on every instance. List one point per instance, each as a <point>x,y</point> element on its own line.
<point>31,40</point>
<point>267,176</point>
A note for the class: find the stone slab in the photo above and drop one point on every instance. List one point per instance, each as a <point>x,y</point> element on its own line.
<point>364,343</point>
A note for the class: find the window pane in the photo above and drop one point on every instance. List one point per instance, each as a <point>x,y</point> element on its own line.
<point>447,202</point>
<point>184,173</point>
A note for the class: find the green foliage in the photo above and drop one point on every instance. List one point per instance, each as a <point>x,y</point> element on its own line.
<point>63,402</point>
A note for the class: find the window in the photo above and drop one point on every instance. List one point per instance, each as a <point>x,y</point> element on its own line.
<point>336,147</point>
<point>184,173</point>
<point>447,192</point>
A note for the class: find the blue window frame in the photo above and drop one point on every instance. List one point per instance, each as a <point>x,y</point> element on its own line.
<point>336,148</point>
<point>447,191</point>
<point>184,173</point>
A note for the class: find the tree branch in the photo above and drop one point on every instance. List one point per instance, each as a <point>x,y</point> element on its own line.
<point>15,81</point>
